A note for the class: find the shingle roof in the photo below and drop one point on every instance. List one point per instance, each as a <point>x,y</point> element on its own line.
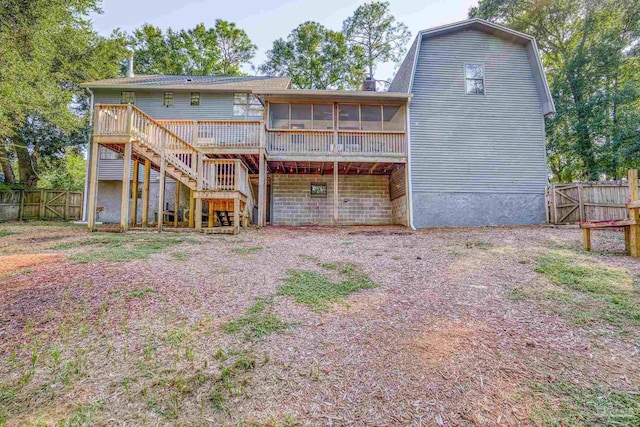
<point>192,82</point>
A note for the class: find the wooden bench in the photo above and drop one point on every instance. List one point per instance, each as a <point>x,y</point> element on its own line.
<point>631,225</point>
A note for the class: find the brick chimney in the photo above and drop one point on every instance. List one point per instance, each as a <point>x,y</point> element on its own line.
<point>369,84</point>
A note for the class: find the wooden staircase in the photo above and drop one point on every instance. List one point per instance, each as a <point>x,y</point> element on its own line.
<point>209,179</point>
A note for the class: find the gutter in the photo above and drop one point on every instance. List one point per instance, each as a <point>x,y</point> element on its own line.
<point>85,201</point>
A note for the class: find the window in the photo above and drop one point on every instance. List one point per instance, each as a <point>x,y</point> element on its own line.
<point>106,154</point>
<point>168,99</point>
<point>247,106</point>
<point>474,79</point>
<point>371,118</point>
<point>301,116</point>
<point>127,97</point>
<point>195,99</point>
<point>319,189</point>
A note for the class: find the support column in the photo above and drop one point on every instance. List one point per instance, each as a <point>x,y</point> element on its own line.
<point>134,193</point>
<point>176,205</point>
<point>198,215</point>
<point>93,186</point>
<point>192,209</point>
<point>145,193</point>
<point>262,190</point>
<point>126,187</point>
<point>236,215</point>
<point>634,214</point>
<point>335,194</point>
<point>210,215</point>
<point>163,168</point>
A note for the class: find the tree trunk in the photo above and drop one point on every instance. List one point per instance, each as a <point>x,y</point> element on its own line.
<point>26,164</point>
<point>7,170</point>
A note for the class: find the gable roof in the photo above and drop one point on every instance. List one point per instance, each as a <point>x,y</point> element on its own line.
<point>214,83</point>
<point>403,79</point>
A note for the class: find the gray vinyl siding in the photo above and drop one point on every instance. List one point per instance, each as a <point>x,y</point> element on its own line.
<point>492,143</point>
<point>213,106</point>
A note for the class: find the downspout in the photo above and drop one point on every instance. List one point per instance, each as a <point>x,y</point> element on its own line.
<point>409,190</point>
<point>85,201</point>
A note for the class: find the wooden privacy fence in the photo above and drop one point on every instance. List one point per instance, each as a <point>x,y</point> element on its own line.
<point>40,204</point>
<point>587,201</point>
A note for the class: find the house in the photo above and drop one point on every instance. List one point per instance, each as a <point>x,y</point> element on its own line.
<point>458,139</point>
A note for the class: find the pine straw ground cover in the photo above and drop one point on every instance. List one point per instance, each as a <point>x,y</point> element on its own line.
<point>317,326</point>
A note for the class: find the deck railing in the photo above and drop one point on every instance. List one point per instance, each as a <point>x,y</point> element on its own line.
<point>226,175</point>
<point>326,143</point>
<point>111,120</point>
<point>217,133</point>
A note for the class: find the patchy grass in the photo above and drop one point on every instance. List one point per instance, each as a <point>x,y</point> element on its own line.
<point>258,321</point>
<point>141,293</point>
<point>516,293</point>
<point>607,293</point>
<point>308,257</point>
<point>180,256</point>
<point>111,247</point>
<point>318,292</point>
<point>479,244</point>
<point>5,233</point>
<point>568,405</point>
<point>245,251</point>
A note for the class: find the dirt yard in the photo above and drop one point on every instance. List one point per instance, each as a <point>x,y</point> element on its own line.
<point>318,326</point>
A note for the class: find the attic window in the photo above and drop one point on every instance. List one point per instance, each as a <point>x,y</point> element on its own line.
<point>195,99</point>
<point>168,99</point>
<point>127,97</point>
<point>474,79</point>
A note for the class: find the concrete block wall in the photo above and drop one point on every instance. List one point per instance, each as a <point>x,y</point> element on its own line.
<point>362,199</point>
<point>399,210</point>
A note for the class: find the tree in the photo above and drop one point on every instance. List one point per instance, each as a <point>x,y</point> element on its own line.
<point>235,47</point>
<point>48,48</point>
<point>375,30</point>
<point>589,50</point>
<point>315,58</point>
<point>220,50</point>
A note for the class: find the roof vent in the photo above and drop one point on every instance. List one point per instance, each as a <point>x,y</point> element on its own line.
<point>369,84</point>
<point>189,80</point>
<point>130,66</point>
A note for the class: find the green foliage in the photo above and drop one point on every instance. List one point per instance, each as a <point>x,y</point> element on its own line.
<point>316,58</point>
<point>591,57</point>
<point>375,30</point>
<point>594,406</point>
<point>318,291</point>
<point>66,173</point>
<point>110,247</point>
<point>608,291</point>
<point>258,321</point>
<point>222,49</point>
<point>48,48</point>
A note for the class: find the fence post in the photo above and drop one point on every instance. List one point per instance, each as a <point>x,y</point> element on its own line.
<point>21,207</point>
<point>581,206</point>
<point>66,206</point>
<point>43,196</point>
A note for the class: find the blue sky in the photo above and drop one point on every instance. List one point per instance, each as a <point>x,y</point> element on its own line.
<point>267,20</point>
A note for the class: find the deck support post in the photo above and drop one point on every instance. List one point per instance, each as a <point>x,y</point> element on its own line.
<point>634,215</point>
<point>163,167</point>
<point>335,194</point>
<point>210,215</point>
<point>134,193</point>
<point>176,204</point>
<point>236,215</point>
<point>145,193</point>
<point>93,186</point>
<point>126,187</point>
<point>198,214</point>
<point>192,208</point>
<point>262,190</point>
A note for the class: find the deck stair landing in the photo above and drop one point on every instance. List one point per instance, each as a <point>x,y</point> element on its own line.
<point>211,180</point>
